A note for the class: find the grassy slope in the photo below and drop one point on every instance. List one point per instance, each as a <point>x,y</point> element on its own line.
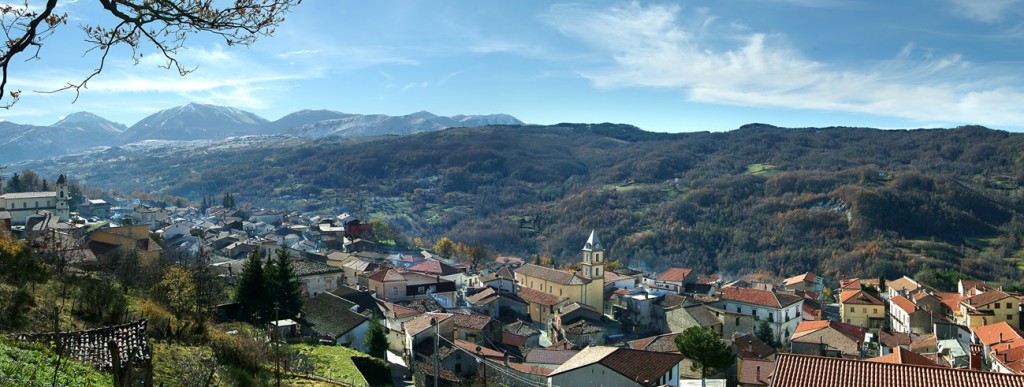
<point>30,367</point>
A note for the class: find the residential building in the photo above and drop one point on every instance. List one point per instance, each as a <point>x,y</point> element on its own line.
<point>440,269</point>
<point>754,372</point>
<point>611,366</point>
<point>862,309</point>
<point>828,338</point>
<point>136,237</point>
<point>804,281</point>
<point>905,316</point>
<point>675,279</point>
<point>476,328</point>
<point>904,285</point>
<point>393,285</point>
<point>329,316</point>
<point>987,308</point>
<point>316,277</point>
<point>782,311</point>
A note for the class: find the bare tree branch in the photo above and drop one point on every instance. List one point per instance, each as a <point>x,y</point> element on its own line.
<point>165,25</point>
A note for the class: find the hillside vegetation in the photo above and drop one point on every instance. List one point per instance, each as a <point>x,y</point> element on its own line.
<point>840,201</point>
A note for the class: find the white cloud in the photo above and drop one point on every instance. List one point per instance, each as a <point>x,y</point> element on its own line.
<point>286,55</point>
<point>986,11</point>
<point>415,85</point>
<point>666,47</point>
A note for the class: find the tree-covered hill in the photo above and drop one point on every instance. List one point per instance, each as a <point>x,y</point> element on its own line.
<point>850,201</point>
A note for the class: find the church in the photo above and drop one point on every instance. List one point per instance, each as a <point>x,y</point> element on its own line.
<point>585,286</point>
<point>22,205</point>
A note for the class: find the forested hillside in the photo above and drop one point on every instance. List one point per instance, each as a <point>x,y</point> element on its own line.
<point>849,201</point>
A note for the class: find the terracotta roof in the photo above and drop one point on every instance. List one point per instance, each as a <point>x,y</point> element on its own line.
<point>644,367</point>
<point>548,274</point>
<point>806,277</point>
<point>749,346</point>
<point>903,283</point>
<point>893,340</point>
<point>904,356</point>
<point>472,321</point>
<point>387,275</point>
<point>520,328</point>
<point>859,297</point>
<point>995,333</point>
<point>582,327</point>
<point>674,274</point>
<point>659,343</point>
<point>549,356</point>
<point>950,300</point>
<point>539,297</point>
<point>758,297</point>
<point>422,322</point>
<point>850,284</point>
<point>484,351</point>
<point>805,327</point>
<point>985,298</point>
<point>483,297</point>
<point>611,276</point>
<point>395,311</point>
<point>756,372</point>
<point>793,370</point>
<point>530,369</point>
<point>504,260</point>
<point>925,344</point>
<point>434,267</point>
<point>903,303</point>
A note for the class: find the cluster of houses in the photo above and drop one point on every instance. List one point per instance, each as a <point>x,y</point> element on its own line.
<point>519,323</point>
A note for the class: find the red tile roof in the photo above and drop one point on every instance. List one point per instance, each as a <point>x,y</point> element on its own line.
<point>659,343</point>
<point>850,284</point>
<point>985,298</point>
<point>859,297</point>
<point>643,367</point>
<point>472,321</point>
<point>903,303</point>
<point>674,274</point>
<point>484,351</point>
<point>549,356</point>
<point>756,372</point>
<point>530,369</point>
<point>422,322</point>
<point>815,371</point>
<point>802,278</point>
<point>805,327</point>
<point>904,356</point>
<point>758,297</point>
<point>995,333</point>
<point>387,275</point>
<point>539,297</point>
<point>434,267</point>
<point>548,274</point>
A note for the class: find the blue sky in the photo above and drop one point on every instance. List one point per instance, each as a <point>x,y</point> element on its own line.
<point>662,66</point>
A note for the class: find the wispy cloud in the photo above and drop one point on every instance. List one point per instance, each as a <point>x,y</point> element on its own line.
<point>662,46</point>
<point>289,54</point>
<point>415,85</point>
<point>986,11</point>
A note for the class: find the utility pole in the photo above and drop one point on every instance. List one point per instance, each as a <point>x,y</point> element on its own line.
<point>437,357</point>
<point>277,344</point>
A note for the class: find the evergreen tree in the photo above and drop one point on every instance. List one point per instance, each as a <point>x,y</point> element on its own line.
<point>764,332</point>
<point>286,291</point>
<point>251,291</point>
<point>376,340</point>
<point>705,349</point>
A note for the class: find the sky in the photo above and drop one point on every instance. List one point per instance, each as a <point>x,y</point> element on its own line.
<point>662,66</point>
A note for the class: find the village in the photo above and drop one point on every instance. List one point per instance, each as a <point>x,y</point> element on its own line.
<point>510,321</point>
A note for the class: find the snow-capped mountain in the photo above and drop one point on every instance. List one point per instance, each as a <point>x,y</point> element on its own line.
<point>91,123</point>
<point>76,132</point>
<point>358,125</point>
<point>303,117</point>
<point>195,122</point>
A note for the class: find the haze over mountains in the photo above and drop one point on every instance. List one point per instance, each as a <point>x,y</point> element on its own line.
<point>82,131</point>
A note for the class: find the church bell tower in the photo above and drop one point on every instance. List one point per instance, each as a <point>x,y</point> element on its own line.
<point>593,257</point>
<point>63,198</point>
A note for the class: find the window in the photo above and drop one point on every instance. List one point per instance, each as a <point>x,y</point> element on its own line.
<point>1008,306</point>
<point>851,309</point>
<point>864,309</point>
<point>737,321</point>
<point>1009,317</point>
<point>549,289</point>
<point>559,291</point>
<point>394,290</point>
<point>997,305</point>
<point>739,309</point>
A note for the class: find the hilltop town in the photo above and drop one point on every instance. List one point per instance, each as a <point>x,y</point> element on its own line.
<point>510,321</point>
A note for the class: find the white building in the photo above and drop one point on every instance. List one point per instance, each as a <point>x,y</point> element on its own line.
<point>21,205</point>
<point>614,366</point>
<point>782,311</point>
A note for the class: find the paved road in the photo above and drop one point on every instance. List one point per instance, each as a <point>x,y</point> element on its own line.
<point>398,370</point>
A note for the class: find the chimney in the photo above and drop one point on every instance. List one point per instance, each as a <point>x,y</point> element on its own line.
<point>758,373</point>
<point>1000,337</point>
<point>506,359</point>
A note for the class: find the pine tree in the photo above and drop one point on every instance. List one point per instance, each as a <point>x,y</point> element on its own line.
<point>376,340</point>
<point>705,349</point>
<point>286,291</point>
<point>252,290</point>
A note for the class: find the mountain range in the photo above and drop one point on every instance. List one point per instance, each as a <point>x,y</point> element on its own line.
<point>82,131</point>
<point>836,201</point>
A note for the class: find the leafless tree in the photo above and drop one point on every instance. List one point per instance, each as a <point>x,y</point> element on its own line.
<point>165,25</point>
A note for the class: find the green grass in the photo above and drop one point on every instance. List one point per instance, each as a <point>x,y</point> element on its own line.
<point>766,170</point>
<point>335,362</point>
<point>22,366</point>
